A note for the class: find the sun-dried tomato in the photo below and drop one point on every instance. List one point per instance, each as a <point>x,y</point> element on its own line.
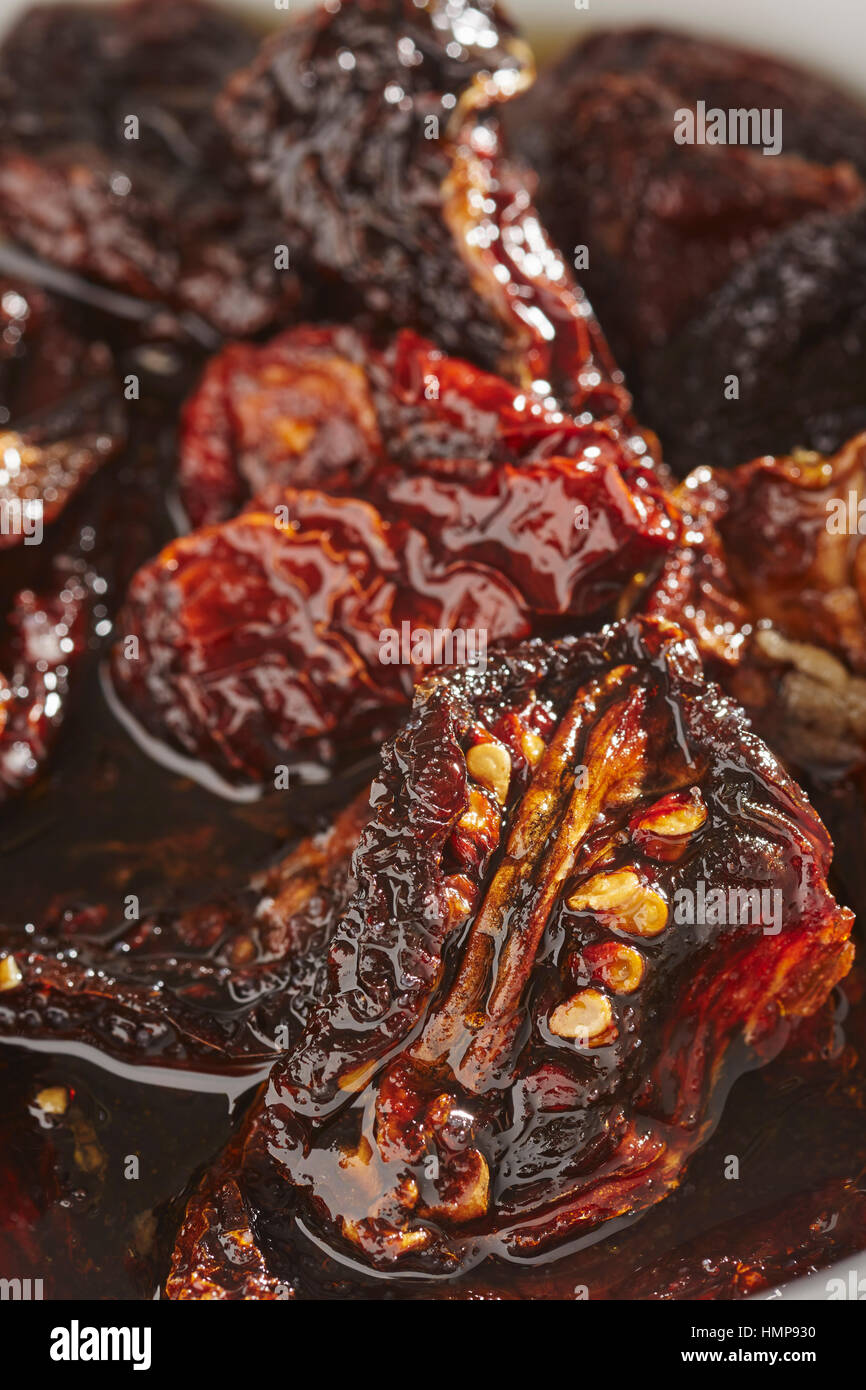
<point>768,578</point>
<point>259,642</point>
<point>130,183</point>
<point>374,127</point>
<point>261,639</point>
<point>663,222</point>
<point>324,408</point>
<point>776,359</point>
<point>529,1006</point>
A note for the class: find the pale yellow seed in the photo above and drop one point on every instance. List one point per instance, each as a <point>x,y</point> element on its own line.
<point>10,975</point>
<point>587,1018</point>
<point>472,1199</point>
<point>241,1238</point>
<point>624,972</point>
<point>490,764</point>
<point>53,1100</point>
<point>533,746</point>
<point>621,896</point>
<point>242,951</point>
<point>685,820</point>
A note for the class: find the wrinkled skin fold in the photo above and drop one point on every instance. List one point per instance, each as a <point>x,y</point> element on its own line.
<point>711,261</point>
<point>434,496</point>
<point>540,988</point>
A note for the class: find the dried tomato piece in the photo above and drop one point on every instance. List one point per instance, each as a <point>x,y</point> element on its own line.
<point>476,1079</point>
<point>566,531</point>
<point>789,527</point>
<point>324,408</point>
<point>218,1252</point>
<point>260,641</point>
<point>61,411</point>
<point>788,329</point>
<point>768,579</point>
<point>225,984</point>
<point>434,406</point>
<point>695,588</point>
<point>821,123</point>
<point>295,411</point>
<point>131,183</point>
<point>665,223</point>
<point>46,638</point>
<point>373,126</point>
<point>280,634</point>
<point>770,582</point>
